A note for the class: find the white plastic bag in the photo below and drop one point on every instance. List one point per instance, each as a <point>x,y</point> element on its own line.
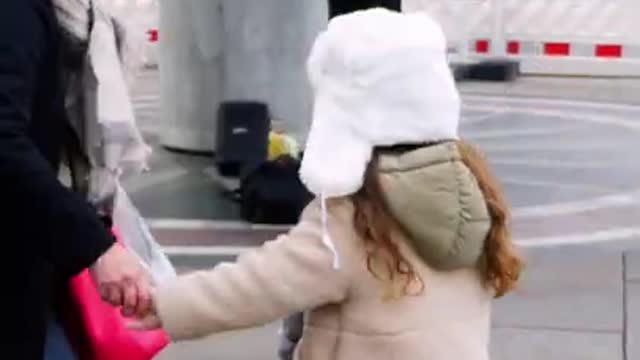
<point>136,236</point>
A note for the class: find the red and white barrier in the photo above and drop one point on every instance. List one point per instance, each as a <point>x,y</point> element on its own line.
<point>560,49</point>
<point>563,37</point>
<point>555,57</point>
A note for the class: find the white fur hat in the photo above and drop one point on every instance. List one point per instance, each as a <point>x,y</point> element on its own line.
<point>380,78</point>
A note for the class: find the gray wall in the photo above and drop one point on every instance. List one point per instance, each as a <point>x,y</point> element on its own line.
<point>213,50</point>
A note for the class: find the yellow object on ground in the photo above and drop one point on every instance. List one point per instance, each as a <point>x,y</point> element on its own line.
<point>281,144</point>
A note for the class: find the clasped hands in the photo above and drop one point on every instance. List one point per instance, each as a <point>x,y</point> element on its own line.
<point>124,282</point>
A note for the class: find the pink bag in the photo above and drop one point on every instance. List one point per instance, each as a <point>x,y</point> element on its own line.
<point>98,331</point>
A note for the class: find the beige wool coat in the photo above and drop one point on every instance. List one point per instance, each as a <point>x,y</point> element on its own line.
<point>445,221</point>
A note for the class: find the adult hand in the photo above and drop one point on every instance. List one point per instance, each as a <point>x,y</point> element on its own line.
<point>147,322</point>
<point>122,281</point>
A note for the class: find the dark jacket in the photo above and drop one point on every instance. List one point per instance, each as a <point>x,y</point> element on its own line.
<point>46,229</point>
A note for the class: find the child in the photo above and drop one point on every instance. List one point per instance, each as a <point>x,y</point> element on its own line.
<point>407,242</point>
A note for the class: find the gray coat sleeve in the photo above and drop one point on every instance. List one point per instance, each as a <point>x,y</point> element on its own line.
<point>291,333</point>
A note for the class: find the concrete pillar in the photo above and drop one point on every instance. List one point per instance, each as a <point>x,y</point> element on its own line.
<point>266,46</point>
<point>214,50</point>
<point>191,72</point>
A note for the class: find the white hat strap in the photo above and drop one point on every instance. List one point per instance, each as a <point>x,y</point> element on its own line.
<point>326,237</point>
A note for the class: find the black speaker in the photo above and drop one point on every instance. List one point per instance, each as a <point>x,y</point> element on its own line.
<point>341,7</point>
<point>242,136</point>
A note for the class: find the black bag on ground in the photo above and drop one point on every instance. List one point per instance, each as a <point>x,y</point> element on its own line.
<point>242,136</point>
<point>272,193</point>
<point>504,70</point>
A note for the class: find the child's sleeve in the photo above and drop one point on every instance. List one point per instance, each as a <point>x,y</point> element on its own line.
<point>291,274</point>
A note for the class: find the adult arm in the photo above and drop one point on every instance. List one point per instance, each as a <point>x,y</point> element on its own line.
<point>73,235</point>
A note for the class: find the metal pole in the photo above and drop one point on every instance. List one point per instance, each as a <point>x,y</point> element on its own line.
<point>463,47</point>
<point>498,41</point>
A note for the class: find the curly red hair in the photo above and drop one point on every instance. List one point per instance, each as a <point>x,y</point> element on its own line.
<point>499,265</point>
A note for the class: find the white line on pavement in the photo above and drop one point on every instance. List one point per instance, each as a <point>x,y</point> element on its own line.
<point>149,129</point>
<point>511,133</point>
<point>206,250</point>
<point>520,146</point>
<point>554,184</point>
<point>571,115</point>
<point>525,212</point>
<point>227,183</point>
<point>180,224</point>
<point>568,208</point>
<point>553,164</point>
<point>471,120</point>
<point>146,98</point>
<point>549,102</point>
<point>153,179</point>
<point>605,236</point>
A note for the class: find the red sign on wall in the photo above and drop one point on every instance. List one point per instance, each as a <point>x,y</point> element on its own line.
<point>154,35</point>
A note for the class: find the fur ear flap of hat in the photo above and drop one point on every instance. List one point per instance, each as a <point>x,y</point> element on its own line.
<point>380,78</point>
